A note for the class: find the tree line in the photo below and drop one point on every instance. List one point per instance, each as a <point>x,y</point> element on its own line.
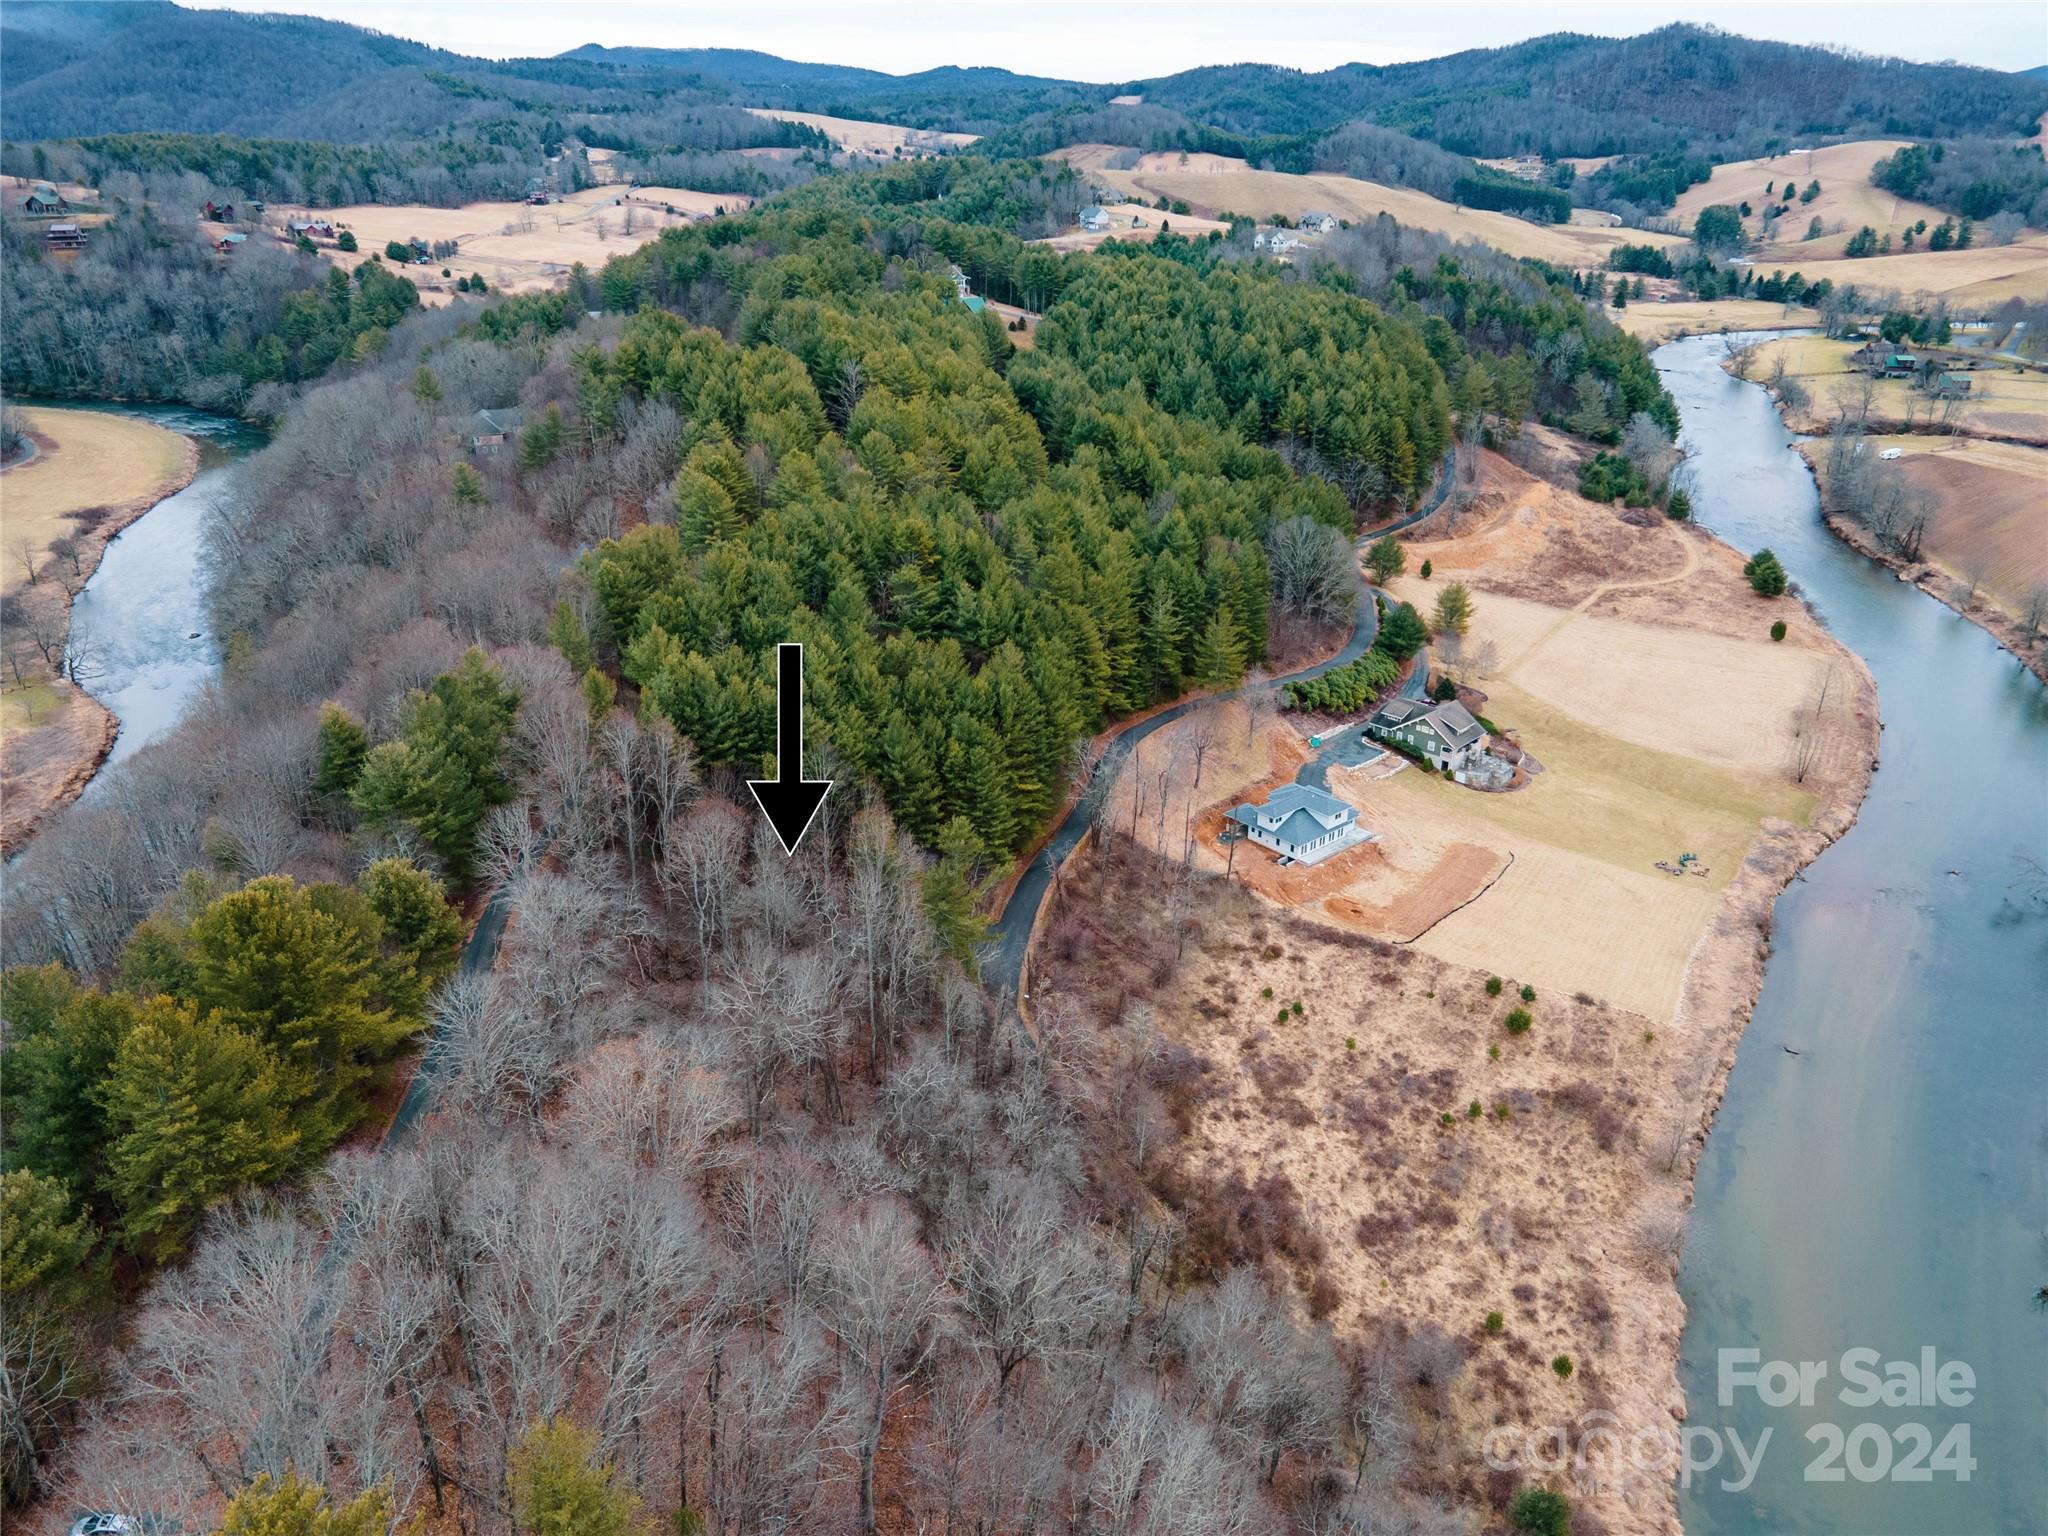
<point>148,312</point>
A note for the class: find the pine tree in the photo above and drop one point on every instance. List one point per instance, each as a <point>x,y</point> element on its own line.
<point>425,387</point>
<point>61,1042</point>
<point>49,1247</point>
<point>1453,609</point>
<point>1219,655</point>
<point>344,743</point>
<point>1386,559</point>
<point>568,634</point>
<point>950,893</point>
<point>560,1488</point>
<point>195,1111</point>
<point>1163,640</point>
<point>296,968</point>
<point>288,1507</point>
<point>1403,633</point>
<point>422,936</point>
<point>468,486</point>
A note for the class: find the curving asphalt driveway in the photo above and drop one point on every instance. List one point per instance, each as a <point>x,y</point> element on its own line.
<point>1002,959</point>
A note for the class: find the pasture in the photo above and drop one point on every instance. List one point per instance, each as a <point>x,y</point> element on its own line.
<point>2003,401</point>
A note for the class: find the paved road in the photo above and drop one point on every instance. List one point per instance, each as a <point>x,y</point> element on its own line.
<point>478,955</point>
<point>1003,959</point>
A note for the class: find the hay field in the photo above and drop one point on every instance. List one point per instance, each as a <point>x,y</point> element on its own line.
<point>2003,401</point>
<point>1654,323</point>
<point>857,137</point>
<point>1980,278</point>
<point>87,459</point>
<point>1846,203</point>
<point>521,249</point>
<point>1215,184</point>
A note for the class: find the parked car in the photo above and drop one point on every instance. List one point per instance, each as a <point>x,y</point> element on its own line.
<point>1891,453</point>
<point>106,1525</point>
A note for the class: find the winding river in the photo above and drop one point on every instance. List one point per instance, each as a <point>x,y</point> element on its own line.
<point>143,617</point>
<point>1884,1189</point>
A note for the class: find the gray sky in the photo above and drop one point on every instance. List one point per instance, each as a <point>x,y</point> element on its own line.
<point>1134,40</point>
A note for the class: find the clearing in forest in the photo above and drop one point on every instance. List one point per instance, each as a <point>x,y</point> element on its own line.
<point>1213,185</point>
<point>518,248</point>
<point>855,136</point>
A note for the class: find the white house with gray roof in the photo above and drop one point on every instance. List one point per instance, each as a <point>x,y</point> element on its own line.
<point>1301,823</point>
<point>1445,735</point>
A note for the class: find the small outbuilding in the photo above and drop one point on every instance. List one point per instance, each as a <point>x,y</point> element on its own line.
<point>489,431</point>
<point>1301,823</point>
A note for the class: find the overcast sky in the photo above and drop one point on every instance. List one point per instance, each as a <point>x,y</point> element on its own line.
<point>1129,40</point>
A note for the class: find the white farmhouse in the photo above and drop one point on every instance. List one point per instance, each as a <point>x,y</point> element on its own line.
<point>1301,823</point>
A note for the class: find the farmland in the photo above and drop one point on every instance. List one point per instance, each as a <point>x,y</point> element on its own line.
<point>518,248</point>
<point>86,460</point>
<point>2003,402</point>
<point>858,137</point>
<point>1656,323</point>
<point>1213,185</point>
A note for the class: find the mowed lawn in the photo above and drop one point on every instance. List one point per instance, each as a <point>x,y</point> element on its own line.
<point>98,460</point>
<point>1582,907</point>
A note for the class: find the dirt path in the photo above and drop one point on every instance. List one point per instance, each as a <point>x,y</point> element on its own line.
<point>1692,560</point>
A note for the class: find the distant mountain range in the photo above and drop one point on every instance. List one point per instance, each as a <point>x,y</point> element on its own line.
<point>150,66</point>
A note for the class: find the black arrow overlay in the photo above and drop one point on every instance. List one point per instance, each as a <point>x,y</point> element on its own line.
<point>789,800</point>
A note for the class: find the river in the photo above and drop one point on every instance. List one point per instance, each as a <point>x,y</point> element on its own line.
<point>143,618</point>
<point>1885,1188</point>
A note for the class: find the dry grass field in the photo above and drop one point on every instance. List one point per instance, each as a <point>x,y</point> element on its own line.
<point>1654,323</point>
<point>1847,200</point>
<point>521,249</point>
<point>1634,665</point>
<point>1133,221</point>
<point>2003,401</point>
<point>86,459</point>
<point>1216,184</point>
<point>857,137</point>
<point>1980,278</point>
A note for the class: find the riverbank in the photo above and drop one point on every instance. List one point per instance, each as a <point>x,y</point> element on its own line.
<point>1986,518</point>
<point>1634,662</point>
<point>56,735</point>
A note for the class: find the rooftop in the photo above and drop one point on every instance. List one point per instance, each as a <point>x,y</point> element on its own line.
<point>1292,799</point>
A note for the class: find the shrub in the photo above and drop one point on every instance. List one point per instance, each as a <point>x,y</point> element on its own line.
<point>1778,630</point>
<point>1474,1110</point>
<point>1345,690</point>
<point>1679,507</point>
<point>1503,1110</point>
<point>1266,993</point>
<point>1295,1007</point>
<point>1351,1042</point>
<point>1517,1022</point>
<point>1765,574</point>
<point>1495,1322</point>
<point>1563,1366</point>
<point>1539,1512</point>
<point>1427,570</point>
<point>1528,993</point>
<point>1493,1053</point>
<point>346,240</point>
<point>1445,1118</point>
<point>1281,1018</point>
<point>1609,476</point>
<point>1493,986</point>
